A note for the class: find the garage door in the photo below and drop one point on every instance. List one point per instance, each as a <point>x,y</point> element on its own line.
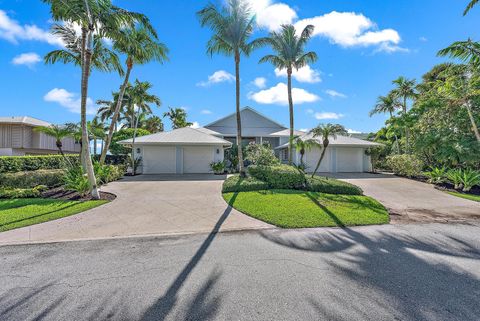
<point>159,160</point>
<point>349,160</point>
<point>311,159</point>
<point>197,159</point>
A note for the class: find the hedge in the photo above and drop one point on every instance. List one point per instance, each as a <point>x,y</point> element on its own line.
<point>11,193</point>
<point>13,164</point>
<point>30,179</point>
<point>238,184</point>
<point>114,159</point>
<point>279,176</point>
<point>405,165</point>
<point>331,186</point>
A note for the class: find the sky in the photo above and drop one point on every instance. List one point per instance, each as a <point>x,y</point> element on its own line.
<point>362,45</point>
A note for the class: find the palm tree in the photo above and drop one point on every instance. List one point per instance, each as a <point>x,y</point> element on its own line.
<point>59,133</point>
<point>387,104</point>
<point>290,54</point>
<point>324,132</point>
<point>153,124</point>
<point>468,51</point>
<point>140,47</point>
<point>232,27</point>
<point>405,90</point>
<point>178,117</point>
<point>96,129</point>
<point>469,7</point>
<point>303,145</point>
<point>94,17</point>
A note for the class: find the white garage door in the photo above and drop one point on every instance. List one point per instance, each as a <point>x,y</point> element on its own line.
<point>159,160</point>
<point>311,159</point>
<point>197,159</point>
<point>349,160</point>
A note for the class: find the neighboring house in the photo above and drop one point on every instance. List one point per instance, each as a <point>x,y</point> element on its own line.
<point>17,138</point>
<point>188,150</point>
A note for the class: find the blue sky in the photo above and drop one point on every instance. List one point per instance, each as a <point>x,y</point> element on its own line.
<point>362,46</point>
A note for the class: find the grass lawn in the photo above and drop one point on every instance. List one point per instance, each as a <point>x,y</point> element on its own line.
<point>297,209</point>
<point>15,213</point>
<point>471,197</point>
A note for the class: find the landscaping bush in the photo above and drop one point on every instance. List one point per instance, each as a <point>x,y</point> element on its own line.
<point>30,179</point>
<point>108,173</point>
<point>279,176</point>
<point>218,167</point>
<point>114,159</point>
<point>454,176</point>
<point>469,178</point>
<point>436,175</point>
<point>13,164</point>
<point>331,186</point>
<point>22,192</point>
<point>405,165</point>
<point>238,184</point>
<point>76,180</point>
<point>260,154</point>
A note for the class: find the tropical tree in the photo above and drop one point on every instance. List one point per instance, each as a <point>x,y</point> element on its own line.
<point>96,129</point>
<point>140,46</point>
<point>469,7</point>
<point>387,104</point>
<point>59,133</point>
<point>99,17</point>
<point>405,90</point>
<point>178,117</point>
<point>289,48</point>
<point>232,27</point>
<point>153,124</point>
<point>467,51</point>
<point>304,145</point>
<point>325,132</point>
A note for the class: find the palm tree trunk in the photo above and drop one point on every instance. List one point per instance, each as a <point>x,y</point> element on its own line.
<point>87,58</point>
<point>290,105</point>
<point>396,137</point>
<point>113,123</point>
<point>407,130</point>
<point>320,160</point>
<point>239,120</point>
<point>94,146</point>
<point>133,142</point>
<point>472,120</point>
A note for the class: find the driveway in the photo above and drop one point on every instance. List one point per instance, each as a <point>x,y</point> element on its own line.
<point>412,201</point>
<point>146,204</point>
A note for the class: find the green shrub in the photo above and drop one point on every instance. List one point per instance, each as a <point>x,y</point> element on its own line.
<point>405,165</point>
<point>218,167</point>
<point>436,175</point>
<point>469,179</point>
<point>76,180</point>
<point>107,173</point>
<point>30,179</point>
<point>454,176</point>
<point>331,186</point>
<point>261,154</point>
<point>238,184</point>
<point>13,164</point>
<point>22,192</point>
<point>279,176</point>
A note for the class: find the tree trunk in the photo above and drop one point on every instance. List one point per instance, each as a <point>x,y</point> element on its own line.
<point>83,111</point>
<point>113,123</point>
<point>320,160</point>
<point>407,130</point>
<point>94,146</point>
<point>396,137</point>
<point>302,153</point>
<point>133,141</point>
<point>239,120</point>
<point>290,105</point>
<point>472,120</point>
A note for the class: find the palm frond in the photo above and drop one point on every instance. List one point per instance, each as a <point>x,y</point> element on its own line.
<point>468,51</point>
<point>469,7</point>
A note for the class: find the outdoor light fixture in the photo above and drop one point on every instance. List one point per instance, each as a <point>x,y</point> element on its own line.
<point>138,150</point>
<point>218,151</point>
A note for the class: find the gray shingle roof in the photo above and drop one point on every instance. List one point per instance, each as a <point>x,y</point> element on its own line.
<point>181,136</point>
<point>23,120</point>
<point>339,141</point>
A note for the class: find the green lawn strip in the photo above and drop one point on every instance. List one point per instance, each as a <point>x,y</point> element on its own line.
<point>299,209</point>
<point>16,213</point>
<point>471,197</point>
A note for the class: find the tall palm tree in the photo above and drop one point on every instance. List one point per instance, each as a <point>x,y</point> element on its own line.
<point>94,17</point>
<point>59,133</point>
<point>96,129</point>
<point>178,117</point>
<point>405,90</point>
<point>303,145</point>
<point>232,27</point>
<point>324,132</point>
<point>468,51</point>
<point>153,124</point>
<point>387,104</point>
<point>289,48</point>
<point>140,46</point>
<point>469,7</point>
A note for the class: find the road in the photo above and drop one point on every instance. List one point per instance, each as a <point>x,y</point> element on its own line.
<point>402,272</point>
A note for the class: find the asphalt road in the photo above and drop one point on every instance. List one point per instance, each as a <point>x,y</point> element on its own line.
<point>409,272</point>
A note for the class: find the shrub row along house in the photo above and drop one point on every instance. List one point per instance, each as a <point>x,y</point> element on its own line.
<point>18,138</point>
<point>188,150</point>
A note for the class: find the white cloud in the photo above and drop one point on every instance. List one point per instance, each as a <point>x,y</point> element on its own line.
<point>305,130</point>
<point>305,74</point>
<point>260,82</point>
<point>278,95</point>
<point>205,112</point>
<point>423,39</point>
<point>335,94</point>
<point>352,131</point>
<point>69,100</point>
<point>272,15</point>
<point>327,115</point>
<point>309,111</point>
<point>195,124</point>
<point>12,31</point>
<point>217,77</point>
<point>28,59</point>
<point>349,29</point>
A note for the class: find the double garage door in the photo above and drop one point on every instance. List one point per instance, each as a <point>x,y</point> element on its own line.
<point>342,160</point>
<point>177,160</point>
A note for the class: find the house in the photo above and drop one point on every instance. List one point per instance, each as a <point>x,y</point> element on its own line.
<point>18,138</point>
<point>189,150</point>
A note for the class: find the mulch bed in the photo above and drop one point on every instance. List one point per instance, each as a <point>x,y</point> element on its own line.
<point>445,186</point>
<point>61,194</point>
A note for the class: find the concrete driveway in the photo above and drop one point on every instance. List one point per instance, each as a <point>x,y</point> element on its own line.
<point>146,205</point>
<point>412,201</point>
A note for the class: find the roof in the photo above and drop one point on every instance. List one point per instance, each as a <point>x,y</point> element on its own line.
<point>286,132</point>
<point>245,108</point>
<point>23,120</point>
<point>209,131</point>
<point>339,141</point>
<point>181,136</point>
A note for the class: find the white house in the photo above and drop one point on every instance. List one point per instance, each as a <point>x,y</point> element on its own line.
<point>189,150</point>
<point>17,138</point>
